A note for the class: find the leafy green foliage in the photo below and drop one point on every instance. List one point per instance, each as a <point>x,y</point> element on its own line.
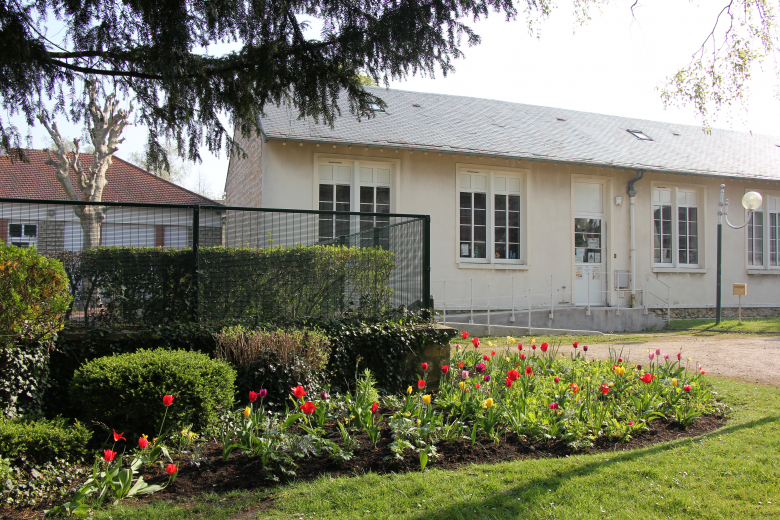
<point>125,391</point>
<point>24,379</point>
<point>43,440</point>
<point>153,53</point>
<point>275,361</point>
<point>156,285</point>
<point>29,484</point>
<point>33,296</point>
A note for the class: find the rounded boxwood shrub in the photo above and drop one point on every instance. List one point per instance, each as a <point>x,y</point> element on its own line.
<point>125,392</point>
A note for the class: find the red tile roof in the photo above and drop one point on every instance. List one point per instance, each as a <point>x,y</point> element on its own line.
<point>126,182</point>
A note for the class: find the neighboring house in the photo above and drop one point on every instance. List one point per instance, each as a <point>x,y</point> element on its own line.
<point>55,227</point>
<point>526,199</point>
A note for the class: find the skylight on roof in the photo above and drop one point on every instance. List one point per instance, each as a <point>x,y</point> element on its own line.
<point>640,135</point>
<point>375,107</point>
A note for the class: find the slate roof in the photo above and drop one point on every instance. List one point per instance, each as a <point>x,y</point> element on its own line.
<point>458,124</point>
<point>126,182</point>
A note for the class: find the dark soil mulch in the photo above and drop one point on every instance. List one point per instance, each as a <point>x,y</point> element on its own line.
<point>244,472</point>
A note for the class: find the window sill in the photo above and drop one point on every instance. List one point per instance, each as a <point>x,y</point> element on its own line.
<point>493,267</point>
<point>687,270</point>
<point>770,272</point>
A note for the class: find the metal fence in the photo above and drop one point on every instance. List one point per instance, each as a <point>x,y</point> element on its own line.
<point>152,263</point>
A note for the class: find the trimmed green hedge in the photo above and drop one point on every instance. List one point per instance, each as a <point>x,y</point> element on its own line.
<point>43,440</point>
<point>125,392</point>
<point>157,285</point>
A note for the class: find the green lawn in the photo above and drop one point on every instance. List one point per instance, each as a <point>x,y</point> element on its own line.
<point>748,325</point>
<point>730,473</point>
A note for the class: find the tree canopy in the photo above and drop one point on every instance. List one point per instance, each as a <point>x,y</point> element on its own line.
<point>158,52</point>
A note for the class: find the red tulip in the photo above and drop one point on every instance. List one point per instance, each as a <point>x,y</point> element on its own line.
<point>475,342</point>
<point>308,407</point>
<point>533,347</point>
<point>575,344</point>
<point>630,423</point>
<point>424,367</point>
<point>687,388</point>
<point>298,391</point>
<point>252,396</point>
<point>520,346</point>
<point>513,375</point>
<point>486,357</point>
<point>420,384</point>
<point>522,356</point>
<point>143,443</point>
<point>464,334</point>
<point>604,388</point>
<point>556,379</point>
<point>647,378</point>
<point>476,386</point>
<point>678,355</point>
<point>702,372</point>
<point>171,469</point>
<point>445,369</point>
<point>529,369</point>
<point>108,455</point>
<point>118,436</point>
<point>374,407</point>
<point>620,360</point>
<point>492,352</point>
<point>167,400</point>
<point>508,382</point>
<point>545,346</point>
<point>554,406</point>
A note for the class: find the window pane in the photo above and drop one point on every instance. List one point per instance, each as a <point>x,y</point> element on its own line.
<point>500,202</point>
<point>500,234</point>
<point>514,251</point>
<point>500,251</point>
<point>514,219</point>
<point>465,233</point>
<point>383,199</point>
<point>480,201</point>
<point>479,233</point>
<point>15,230</point>
<point>367,197</point>
<point>514,235</point>
<point>514,203</point>
<point>30,230</point>
<point>465,200</point>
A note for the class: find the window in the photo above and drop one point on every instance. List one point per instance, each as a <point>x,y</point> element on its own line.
<point>22,234</point>
<point>640,135</point>
<point>334,195</point>
<point>675,227</point>
<point>490,222</point>
<point>764,244</point>
<point>340,189</point>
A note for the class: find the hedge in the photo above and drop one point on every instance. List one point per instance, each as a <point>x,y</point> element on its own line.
<point>125,392</point>
<point>43,440</point>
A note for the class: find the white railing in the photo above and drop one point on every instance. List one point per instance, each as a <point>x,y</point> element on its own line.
<point>525,294</point>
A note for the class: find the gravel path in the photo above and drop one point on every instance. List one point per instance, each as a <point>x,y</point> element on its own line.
<point>749,358</point>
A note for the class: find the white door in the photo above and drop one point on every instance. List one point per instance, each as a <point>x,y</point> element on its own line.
<point>589,246</point>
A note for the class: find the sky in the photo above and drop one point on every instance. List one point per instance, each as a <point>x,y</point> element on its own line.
<point>615,65</point>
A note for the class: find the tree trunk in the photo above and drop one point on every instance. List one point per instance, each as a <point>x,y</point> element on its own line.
<point>91,218</point>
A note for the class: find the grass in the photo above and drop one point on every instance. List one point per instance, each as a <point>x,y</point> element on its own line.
<point>748,325</point>
<point>733,472</point>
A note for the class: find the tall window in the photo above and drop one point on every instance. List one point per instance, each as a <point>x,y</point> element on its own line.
<point>675,227</point>
<point>774,231</point>
<point>755,231</point>
<point>374,198</point>
<point>490,222</point>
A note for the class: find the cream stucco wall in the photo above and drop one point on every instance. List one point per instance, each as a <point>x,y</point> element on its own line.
<point>426,183</point>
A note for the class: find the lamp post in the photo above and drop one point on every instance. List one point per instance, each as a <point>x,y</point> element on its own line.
<point>751,202</point>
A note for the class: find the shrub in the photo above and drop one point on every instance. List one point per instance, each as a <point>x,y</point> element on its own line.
<point>24,379</point>
<point>125,391</point>
<point>33,296</point>
<point>43,440</point>
<point>275,361</point>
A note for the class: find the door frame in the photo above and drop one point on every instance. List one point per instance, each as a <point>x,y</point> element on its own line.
<point>606,231</point>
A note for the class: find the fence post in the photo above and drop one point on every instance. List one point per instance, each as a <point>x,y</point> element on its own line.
<point>426,274</point>
<point>195,262</point>
<point>513,300</point>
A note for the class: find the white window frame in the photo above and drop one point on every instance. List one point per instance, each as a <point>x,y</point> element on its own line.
<point>498,181</point>
<point>677,191</point>
<point>770,206</point>
<point>357,165</point>
<point>31,241</point>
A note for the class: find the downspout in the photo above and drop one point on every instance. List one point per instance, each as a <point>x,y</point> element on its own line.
<point>632,200</point>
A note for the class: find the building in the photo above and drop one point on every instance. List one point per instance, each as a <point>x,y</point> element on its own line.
<point>531,206</point>
<point>55,227</point>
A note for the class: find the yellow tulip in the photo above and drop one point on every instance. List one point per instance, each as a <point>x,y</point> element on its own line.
<point>462,385</point>
<point>427,398</point>
<point>409,390</point>
<point>487,403</point>
<point>247,411</point>
<point>674,382</point>
<point>193,435</point>
<point>419,422</point>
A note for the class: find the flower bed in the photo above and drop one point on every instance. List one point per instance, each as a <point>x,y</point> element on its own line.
<point>524,402</point>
